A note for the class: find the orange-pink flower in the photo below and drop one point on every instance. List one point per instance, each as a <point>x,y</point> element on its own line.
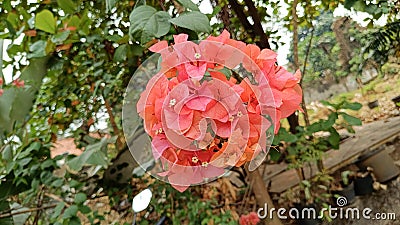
<point>250,219</point>
<point>19,83</point>
<point>203,119</point>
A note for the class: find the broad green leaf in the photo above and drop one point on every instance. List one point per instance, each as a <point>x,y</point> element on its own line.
<point>147,23</point>
<point>354,121</point>
<point>80,198</point>
<point>59,38</point>
<point>188,4</point>
<point>195,21</point>
<point>67,5</point>
<point>37,49</point>
<point>15,104</point>
<point>93,155</point>
<point>70,212</point>
<point>45,21</point>
<point>120,53</point>
<point>74,21</point>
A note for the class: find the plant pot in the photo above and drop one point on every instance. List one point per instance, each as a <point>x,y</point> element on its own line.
<point>373,104</point>
<point>396,100</point>
<point>347,192</point>
<point>307,221</point>
<point>383,165</point>
<point>363,185</point>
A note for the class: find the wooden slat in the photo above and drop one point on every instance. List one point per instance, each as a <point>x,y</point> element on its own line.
<point>367,137</point>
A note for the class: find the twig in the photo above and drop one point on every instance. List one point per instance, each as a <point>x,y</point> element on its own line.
<point>27,211</point>
<point>259,30</point>
<point>39,204</point>
<point>113,123</point>
<point>303,104</point>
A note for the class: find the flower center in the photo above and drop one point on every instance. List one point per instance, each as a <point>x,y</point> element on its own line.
<point>159,131</point>
<point>204,164</point>
<point>197,55</point>
<point>172,102</point>
<point>239,114</point>
<point>195,159</point>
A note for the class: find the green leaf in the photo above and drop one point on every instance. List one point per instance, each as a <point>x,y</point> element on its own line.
<point>110,4</point>
<point>195,21</point>
<point>334,138</point>
<point>93,155</point>
<point>4,206</point>
<point>7,153</point>
<point>37,49</point>
<point>45,21</point>
<point>139,3</point>
<point>70,212</point>
<point>335,106</point>
<point>59,38</point>
<point>120,53</point>
<point>354,121</point>
<point>351,105</point>
<point>136,50</point>
<point>13,19</point>
<point>80,198</point>
<point>274,155</point>
<point>188,4</point>
<point>57,210</point>
<point>67,5</point>
<point>147,23</point>
<point>15,104</point>
<point>349,3</point>
<point>330,121</point>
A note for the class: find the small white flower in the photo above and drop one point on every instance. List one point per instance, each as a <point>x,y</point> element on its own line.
<point>204,164</point>
<point>239,114</point>
<point>231,118</point>
<point>172,102</point>
<point>195,159</point>
<point>197,55</point>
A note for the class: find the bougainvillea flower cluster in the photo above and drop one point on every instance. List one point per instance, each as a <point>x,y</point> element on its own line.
<point>210,105</point>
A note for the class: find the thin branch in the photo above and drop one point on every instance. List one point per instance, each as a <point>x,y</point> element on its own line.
<point>113,123</point>
<point>303,104</point>
<point>237,8</point>
<point>259,30</point>
<point>27,211</point>
<point>295,35</point>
